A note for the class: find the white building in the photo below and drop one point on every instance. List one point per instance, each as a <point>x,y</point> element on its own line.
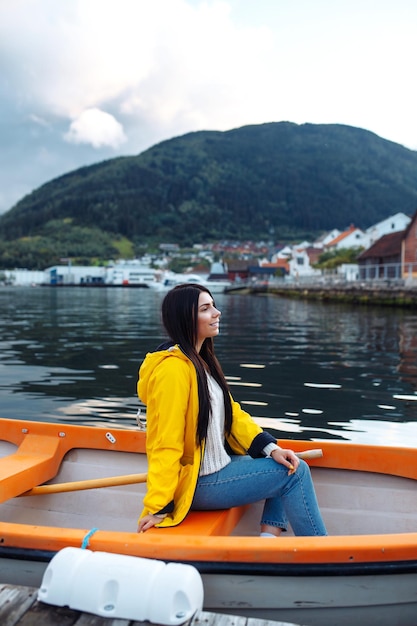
<point>133,273</point>
<point>326,238</point>
<point>302,260</point>
<point>124,273</point>
<point>24,277</point>
<point>392,224</point>
<point>348,271</point>
<point>284,253</point>
<point>352,237</point>
<point>58,275</point>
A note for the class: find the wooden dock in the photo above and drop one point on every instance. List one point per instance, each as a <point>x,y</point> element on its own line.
<point>19,607</point>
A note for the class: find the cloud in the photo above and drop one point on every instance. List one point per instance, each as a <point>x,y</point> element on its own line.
<point>165,60</point>
<point>85,77</point>
<point>119,75</point>
<point>96,128</point>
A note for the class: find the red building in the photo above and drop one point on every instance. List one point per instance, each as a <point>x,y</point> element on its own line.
<point>409,249</point>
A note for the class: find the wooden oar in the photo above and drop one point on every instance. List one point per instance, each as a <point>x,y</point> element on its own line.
<point>94,483</point>
<point>126,479</point>
<point>307,454</point>
<point>316,453</point>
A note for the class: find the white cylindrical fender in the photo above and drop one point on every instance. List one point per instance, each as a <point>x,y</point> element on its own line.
<point>177,595</point>
<point>60,571</point>
<point>121,586</point>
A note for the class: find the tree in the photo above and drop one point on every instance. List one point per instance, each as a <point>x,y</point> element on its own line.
<point>333,258</point>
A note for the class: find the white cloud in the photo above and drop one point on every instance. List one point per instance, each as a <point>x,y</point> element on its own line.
<point>166,61</point>
<point>180,65</point>
<point>161,68</point>
<point>97,128</point>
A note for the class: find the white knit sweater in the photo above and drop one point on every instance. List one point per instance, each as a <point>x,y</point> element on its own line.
<point>215,455</point>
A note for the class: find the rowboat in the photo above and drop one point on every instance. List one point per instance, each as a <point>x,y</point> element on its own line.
<point>82,486</point>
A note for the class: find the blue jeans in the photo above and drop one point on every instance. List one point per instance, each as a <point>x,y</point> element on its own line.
<point>246,480</point>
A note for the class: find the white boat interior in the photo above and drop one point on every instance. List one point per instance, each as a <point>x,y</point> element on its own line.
<point>352,502</point>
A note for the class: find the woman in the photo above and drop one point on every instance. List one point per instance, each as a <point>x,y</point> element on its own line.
<point>204,452</point>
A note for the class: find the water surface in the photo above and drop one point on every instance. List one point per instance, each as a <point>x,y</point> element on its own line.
<point>318,370</point>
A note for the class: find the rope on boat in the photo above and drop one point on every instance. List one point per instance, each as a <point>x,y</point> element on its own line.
<point>86,539</point>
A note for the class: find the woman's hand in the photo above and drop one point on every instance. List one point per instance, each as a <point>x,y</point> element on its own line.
<point>148,521</point>
<point>287,458</point>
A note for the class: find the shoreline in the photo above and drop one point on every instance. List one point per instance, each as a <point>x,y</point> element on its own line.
<point>390,295</point>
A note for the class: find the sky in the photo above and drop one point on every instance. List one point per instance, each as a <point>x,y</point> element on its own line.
<point>82,81</point>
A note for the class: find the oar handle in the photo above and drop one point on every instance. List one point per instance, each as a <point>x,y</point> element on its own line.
<point>128,479</point>
<point>94,483</point>
<point>316,453</point>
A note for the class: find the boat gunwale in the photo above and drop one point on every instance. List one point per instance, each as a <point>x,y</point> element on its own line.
<point>236,568</point>
<point>340,549</point>
<point>337,454</point>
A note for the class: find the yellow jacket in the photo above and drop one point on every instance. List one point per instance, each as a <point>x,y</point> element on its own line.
<point>168,386</point>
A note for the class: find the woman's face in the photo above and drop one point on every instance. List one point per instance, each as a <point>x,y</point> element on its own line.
<point>208,321</point>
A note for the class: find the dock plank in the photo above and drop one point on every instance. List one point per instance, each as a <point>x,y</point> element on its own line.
<point>19,606</point>
<point>14,603</point>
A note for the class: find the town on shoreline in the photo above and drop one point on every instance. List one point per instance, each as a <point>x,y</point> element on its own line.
<point>384,268</point>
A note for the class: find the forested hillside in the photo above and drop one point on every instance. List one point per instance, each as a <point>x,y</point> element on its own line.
<point>272,181</point>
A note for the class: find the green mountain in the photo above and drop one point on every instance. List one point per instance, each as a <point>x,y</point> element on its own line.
<point>270,181</point>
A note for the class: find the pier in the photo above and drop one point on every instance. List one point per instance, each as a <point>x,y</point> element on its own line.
<point>384,293</point>
<point>19,607</point>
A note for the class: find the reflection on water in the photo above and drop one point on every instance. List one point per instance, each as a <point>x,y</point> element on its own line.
<point>311,370</point>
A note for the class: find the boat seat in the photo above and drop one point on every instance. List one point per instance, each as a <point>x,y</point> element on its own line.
<point>221,522</point>
<point>36,460</point>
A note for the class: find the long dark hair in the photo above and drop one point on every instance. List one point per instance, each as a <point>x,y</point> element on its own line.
<point>180,319</point>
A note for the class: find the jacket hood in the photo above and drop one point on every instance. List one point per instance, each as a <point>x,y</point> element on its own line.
<point>151,362</point>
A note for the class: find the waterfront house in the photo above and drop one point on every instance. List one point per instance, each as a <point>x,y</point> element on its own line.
<point>237,269</point>
<point>302,262</point>
<point>352,237</point>
<point>392,256</point>
<point>282,253</point>
<point>326,238</point>
<point>278,268</point>
<point>392,224</point>
<point>382,260</point>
